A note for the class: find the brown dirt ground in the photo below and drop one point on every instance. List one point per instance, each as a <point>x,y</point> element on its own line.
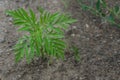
<point>98,43</point>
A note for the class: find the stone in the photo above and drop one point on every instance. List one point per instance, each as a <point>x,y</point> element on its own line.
<point>2,38</point>
<point>1,51</point>
<point>74,27</point>
<point>19,76</point>
<point>86,25</point>
<point>73,35</point>
<point>2,34</point>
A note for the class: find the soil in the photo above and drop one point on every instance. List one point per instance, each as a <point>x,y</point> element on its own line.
<point>98,43</point>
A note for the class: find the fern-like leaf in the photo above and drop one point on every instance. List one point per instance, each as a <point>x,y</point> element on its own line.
<point>46,35</point>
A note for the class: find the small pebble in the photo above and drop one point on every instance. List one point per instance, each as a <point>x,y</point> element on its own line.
<point>1,51</point>
<point>2,34</point>
<point>74,27</point>
<point>87,26</point>
<point>19,76</point>
<point>72,35</point>
<point>118,40</point>
<point>10,19</point>
<point>14,78</point>
<point>38,70</point>
<point>2,38</point>
<point>8,53</point>
<point>104,41</point>
<point>94,20</point>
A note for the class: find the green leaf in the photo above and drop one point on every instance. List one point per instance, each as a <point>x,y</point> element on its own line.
<point>111,18</point>
<point>55,36</point>
<point>103,2</point>
<point>33,17</point>
<point>25,29</point>
<point>84,7</point>
<point>116,10</point>
<point>18,56</point>
<point>41,10</point>
<point>98,5</point>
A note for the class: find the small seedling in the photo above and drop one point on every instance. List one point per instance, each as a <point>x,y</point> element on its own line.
<point>65,3</point>
<point>102,10</point>
<point>46,34</point>
<point>75,50</point>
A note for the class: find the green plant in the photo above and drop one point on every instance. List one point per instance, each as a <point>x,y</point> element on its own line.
<point>75,50</point>
<point>46,34</point>
<point>102,10</point>
<point>65,3</point>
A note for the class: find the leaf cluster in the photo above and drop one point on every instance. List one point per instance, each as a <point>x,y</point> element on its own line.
<point>46,34</point>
